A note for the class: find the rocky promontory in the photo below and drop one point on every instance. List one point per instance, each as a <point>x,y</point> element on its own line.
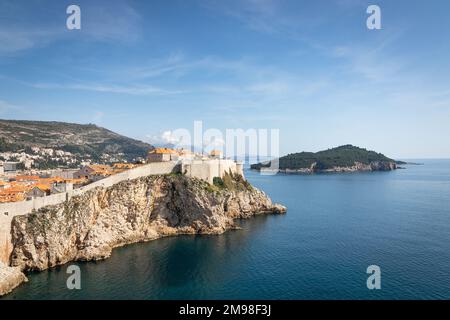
<point>10,278</point>
<point>356,167</point>
<point>89,226</point>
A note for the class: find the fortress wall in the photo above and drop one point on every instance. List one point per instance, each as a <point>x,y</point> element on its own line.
<point>5,238</point>
<point>205,170</point>
<point>209,169</point>
<point>23,207</point>
<point>9,210</point>
<point>196,169</point>
<point>142,171</point>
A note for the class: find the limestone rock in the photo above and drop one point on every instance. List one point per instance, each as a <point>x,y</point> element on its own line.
<point>89,226</point>
<point>10,278</point>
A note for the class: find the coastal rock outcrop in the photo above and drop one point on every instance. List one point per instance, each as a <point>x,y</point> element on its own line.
<point>317,167</point>
<point>358,166</point>
<point>10,278</point>
<point>89,226</point>
<point>383,166</point>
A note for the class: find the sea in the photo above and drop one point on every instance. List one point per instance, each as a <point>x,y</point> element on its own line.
<point>337,225</point>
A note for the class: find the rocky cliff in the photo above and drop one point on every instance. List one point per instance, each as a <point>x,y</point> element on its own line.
<point>89,226</point>
<point>10,278</point>
<point>357,166</point>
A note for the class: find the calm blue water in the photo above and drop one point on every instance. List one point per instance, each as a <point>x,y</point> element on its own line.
<point>337,225</point>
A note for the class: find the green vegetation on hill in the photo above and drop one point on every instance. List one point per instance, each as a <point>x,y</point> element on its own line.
<point>343,156</point>
<point>84,141</point>
<point>231,182</point>
<point>5,145</point>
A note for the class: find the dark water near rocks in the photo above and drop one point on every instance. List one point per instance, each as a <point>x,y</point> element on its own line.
<point>337,225</point>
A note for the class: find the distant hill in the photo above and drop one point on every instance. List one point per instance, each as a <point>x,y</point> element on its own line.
<point>83,141</point>
<point>343,158</point>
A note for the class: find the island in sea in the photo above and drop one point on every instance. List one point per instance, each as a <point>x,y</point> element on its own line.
<point>347,158</point>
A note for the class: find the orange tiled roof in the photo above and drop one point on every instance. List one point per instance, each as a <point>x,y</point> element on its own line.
<point>27,178</point>
<point>50,180</point>
<point>215,153</point>
<point>17,189</point>
<point>11,198</point>
<point>101,169</point>
<point>14,194</point>
<point>43,187</point>
<point>124,165</point>
<point>163,151</point>
<point>185,152</point>
<point>75,181</point>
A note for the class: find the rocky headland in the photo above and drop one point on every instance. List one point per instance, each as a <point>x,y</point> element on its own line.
<point>10,278</point>
<point>89,226</point>
<point>356,167</point>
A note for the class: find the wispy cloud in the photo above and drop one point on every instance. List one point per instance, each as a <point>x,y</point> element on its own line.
<point>17,40</point>
<point>258,15</point>
<point>130,89</point>
<point>115,22</point>
<point>280,18</point>
<point>164,138</point>
<point>372,60</point>
<point>6,107</point>
<point>173,65</point>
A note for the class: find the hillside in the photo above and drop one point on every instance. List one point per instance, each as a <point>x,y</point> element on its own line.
<point>70,143</point>
<point>343,158</point>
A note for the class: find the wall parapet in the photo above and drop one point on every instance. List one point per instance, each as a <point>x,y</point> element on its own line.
<point>203,169</point>
<point>9,210</point>
<point>12,209</point>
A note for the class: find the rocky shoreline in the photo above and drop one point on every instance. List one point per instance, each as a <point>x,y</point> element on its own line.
<point>357,167</point>
<point>10,278</point>
<point>89,226</point>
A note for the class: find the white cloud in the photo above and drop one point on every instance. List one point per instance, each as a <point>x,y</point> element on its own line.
<point>164,138</point>
<point>372,60</point>
<point>258,15</point>
<point>140,90</point>
<point>282,19</point>
<point>116,21</point>
<point>6,106</point>
<point>13,40</point>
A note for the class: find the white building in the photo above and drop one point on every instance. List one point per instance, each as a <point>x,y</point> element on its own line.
<point>60,187</point>
<point>10,166</point>
<point>209,169</point>
<point>162,155</point>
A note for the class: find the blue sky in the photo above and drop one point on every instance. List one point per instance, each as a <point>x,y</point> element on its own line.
<point>310,68</point>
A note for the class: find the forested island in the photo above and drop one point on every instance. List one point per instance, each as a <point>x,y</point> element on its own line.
<point>347,158</point>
